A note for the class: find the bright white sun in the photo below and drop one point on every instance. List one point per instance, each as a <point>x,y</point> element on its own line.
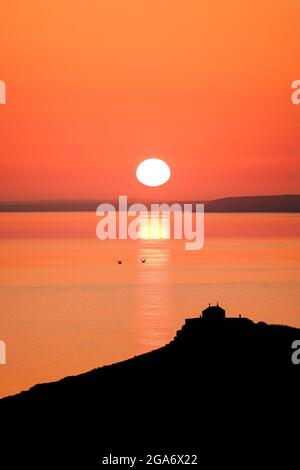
<point>153,172</point>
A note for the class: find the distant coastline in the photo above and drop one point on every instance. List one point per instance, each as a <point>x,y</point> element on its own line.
<point>274,203</point>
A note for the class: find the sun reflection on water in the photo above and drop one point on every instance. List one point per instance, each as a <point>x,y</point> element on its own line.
<point>154,295</point>
<point>154,227</point>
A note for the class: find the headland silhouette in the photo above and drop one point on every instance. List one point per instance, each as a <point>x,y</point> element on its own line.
<point>224,388</point>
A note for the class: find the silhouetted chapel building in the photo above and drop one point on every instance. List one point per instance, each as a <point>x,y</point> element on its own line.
<point>212,321</point>
<point>213,312</point>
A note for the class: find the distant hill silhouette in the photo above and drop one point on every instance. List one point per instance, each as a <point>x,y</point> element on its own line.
<point>280,203</point>
<point>283,203</point>
<point>224,388</point>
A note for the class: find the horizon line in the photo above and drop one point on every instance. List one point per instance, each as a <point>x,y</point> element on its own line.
<point>114,198</point>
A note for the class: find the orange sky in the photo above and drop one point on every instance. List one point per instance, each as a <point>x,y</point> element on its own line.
<point>96,86</point>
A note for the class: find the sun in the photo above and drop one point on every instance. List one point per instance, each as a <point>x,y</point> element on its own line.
<point>153,172</point>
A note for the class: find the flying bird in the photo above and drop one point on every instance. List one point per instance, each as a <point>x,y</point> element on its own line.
<point>119,261</point>
<point>143,260</point>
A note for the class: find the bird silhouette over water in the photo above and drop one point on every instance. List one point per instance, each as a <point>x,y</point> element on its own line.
<point>143,260</point>
<point>119,261</point>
